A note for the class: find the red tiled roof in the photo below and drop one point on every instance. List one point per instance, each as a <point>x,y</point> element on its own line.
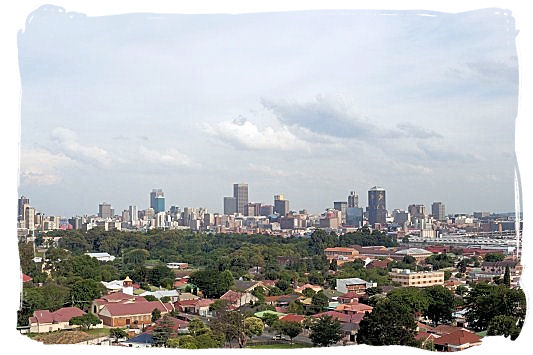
<point>26,278</point>
<point>425,336</point>
<point>176,324</point>
<point>293,318</point>
<point>350,295</point>
<point>205,302</point>
<point>354,307</point>
<point>445,329</point>
<point>125,309</point>
<point>61,315</point>
<point>116,296</point>
<point>459,337</point>
<point>231,296</point>
<point>345,318</point>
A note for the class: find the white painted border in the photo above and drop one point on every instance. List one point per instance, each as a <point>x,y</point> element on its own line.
<point>13,18</point>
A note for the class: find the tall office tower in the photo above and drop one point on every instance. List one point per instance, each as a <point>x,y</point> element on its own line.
<point>400,216</point>
<point>29,217</point>
<point>104,210</point>
<point>353,199</point>
<point>126,216</point>
<point>240,192</point>
<point>417,211</point>
<point>281,206</point>
<point>134,215</point>
<point>377,208</point>
<point>148,214</point>
<point>175,212</point>
<point>341,206</point>
<point>230,205</point>
<point>22,201</point>
<point>157,200</point>
<point>438,211</point>
<point>354,216</point>
<point>266,210</point>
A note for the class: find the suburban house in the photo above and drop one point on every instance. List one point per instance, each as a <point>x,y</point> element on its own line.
<point>120,309</point>
<point>341,254</point>
<point>44,321</point>
<point>179,326</point>
<point>196,306</point>
<point>246,286</point>
<point>123,286</point>
<point>172,294</point>
<point>407,277</point>
<point>458,340</point>
<point>498,267</point>
<point>353,308</point>
<point>315,288</point>
<point>237,299</point>
<point>353,285</point>
<point>295,318</point>
<point>101,256</point>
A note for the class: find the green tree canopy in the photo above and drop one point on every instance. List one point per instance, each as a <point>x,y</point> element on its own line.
<point>325,331</point>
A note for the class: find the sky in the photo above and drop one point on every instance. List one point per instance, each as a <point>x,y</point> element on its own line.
<point>310,105</point>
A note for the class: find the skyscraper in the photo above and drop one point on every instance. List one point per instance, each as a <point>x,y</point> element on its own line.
<point>281,206</point>
<point>230,205</point>
<point>134,215</point>
<point>438,211</point>
<point>157,200</point>
<point>377,208</point>
<point>240,192</point>
<point>353,199</point>
<point>22,201</point>
<point>341,206</point>
<point>417,211</point>
<point>104,210</point>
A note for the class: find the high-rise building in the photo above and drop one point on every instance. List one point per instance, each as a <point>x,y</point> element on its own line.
<point>438,211</point>
<point>134,215</point>
<point>341,206</point>
<point>240,193</point>
<point>401,217</point>
<point>353,199</point>
<point>105,210</point>
<point>266,210</point>
<point>354,216</point>
<point>281,206</point>
<point>377,208</point>
<point>417,211</point>
<point>22,201</point>
<point>126,216</point>
<point>157,200</point>
<point>29,217</point>
<point>230,205</point>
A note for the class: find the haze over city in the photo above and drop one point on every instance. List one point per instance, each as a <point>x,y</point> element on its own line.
<point>115,106</point>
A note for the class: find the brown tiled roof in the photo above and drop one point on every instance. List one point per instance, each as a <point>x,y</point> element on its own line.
<point>293,318</point>
<point>125,309</point>
<point>176,324</point>
<point>445,329</point>
<point>459,337</point>
<point>61,315</point>
<point>354,307</point>
<point>231,296</point>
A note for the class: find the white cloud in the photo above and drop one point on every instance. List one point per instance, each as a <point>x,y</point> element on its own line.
<point>69,144</point>
<point>42,168</point>
<point>244,134</point>
<point>170,157</point>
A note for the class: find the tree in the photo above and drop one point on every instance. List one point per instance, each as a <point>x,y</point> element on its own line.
<point>150,298</point>
<point>325,331</point>
<point>333,265</point>
<point>83,292</point>
<point>136,256</point>
<point>461,266</point>
<point>390,323</point>
<point>156,314</point>
<point>160,275</point>
<point>319,301</point>
<point>213,283</point>
<point>197,327</point>
<point>493,257</point>
<point>413,298</point>
<point>117,333</point>
<point>296,307</point>
<point>162,331</point>
<point>291,329</point>
<point>441,304</point>
<point>308,292</point>
<point>269,318</point>
<point>485,302</point>
<point>507,277</point>
<point>85,320</point>
<point>253,326</point>
<point>504,325</point>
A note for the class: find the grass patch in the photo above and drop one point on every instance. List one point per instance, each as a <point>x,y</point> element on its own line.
<point>98,332</point>
<point>280,346</point>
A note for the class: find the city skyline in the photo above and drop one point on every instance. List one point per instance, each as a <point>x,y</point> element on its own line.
<point>428,207</point>
<point>423,105</point>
